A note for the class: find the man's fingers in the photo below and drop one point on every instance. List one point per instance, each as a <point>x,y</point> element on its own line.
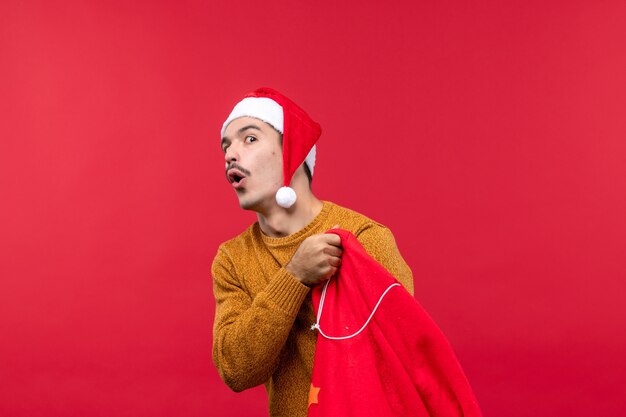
<point>333,271</point>
<point>334,261</point>
<point>333,250</point>
<point>332,239</point>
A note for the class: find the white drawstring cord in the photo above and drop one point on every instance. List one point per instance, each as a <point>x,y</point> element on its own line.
<point>321,306</point>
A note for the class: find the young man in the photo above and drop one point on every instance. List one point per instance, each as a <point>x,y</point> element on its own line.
<point>263,277</point>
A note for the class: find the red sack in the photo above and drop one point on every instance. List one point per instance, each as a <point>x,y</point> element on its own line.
<point>399,364</point>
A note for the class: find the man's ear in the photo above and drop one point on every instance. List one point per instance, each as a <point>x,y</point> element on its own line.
<point>303,170</point>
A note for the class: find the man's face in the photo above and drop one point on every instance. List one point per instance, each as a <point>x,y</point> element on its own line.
<point>254,161</point>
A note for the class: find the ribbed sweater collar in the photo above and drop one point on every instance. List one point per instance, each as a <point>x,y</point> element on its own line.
<point>311,228</point>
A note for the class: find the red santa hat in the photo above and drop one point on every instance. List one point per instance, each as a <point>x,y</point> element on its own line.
<point>300,133</point>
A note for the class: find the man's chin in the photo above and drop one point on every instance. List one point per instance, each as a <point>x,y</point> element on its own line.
<point>251,204</point>
<point>247,204</point>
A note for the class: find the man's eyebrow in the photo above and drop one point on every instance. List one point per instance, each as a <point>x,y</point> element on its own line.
<point>243,129</point>
<point>239,132</point>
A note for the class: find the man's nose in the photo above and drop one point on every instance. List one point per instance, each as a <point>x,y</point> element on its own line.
<point>231,154</point>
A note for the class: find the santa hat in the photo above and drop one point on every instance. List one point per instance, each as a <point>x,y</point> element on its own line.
<point>300,133</point>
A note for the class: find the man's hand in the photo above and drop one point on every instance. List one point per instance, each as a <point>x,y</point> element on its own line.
<point>317,258</point>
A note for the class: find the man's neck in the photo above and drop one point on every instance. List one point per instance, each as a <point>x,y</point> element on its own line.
<point>280,222</point>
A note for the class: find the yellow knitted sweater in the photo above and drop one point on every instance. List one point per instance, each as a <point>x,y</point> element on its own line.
<point>262,331</point>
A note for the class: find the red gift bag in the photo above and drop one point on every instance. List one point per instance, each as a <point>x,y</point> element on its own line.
<point>378,352</point>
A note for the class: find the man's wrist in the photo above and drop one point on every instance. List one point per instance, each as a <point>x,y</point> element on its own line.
<point>295,274</point>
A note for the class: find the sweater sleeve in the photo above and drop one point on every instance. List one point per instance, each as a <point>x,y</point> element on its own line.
<point>380,244</point>
<point>248,334</point>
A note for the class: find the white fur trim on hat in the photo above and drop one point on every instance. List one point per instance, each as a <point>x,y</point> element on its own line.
<point>262,108</point>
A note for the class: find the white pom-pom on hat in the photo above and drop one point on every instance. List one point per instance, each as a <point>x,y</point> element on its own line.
<point>286,197</point>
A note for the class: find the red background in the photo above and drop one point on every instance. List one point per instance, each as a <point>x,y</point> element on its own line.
<point>489,136</point>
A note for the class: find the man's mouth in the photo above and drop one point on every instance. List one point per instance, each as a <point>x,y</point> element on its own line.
<point>235,177</point>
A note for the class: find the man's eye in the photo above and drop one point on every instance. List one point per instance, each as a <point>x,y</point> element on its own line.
<point>250,139</point>
<point>224,148</point>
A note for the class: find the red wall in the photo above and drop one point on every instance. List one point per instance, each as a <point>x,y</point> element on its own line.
<point>490,137</point>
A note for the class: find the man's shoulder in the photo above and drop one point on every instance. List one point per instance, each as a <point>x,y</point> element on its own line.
<point>352,220</point>
<point>240,241</point>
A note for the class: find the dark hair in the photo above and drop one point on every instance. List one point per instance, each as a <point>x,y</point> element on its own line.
<point>307,171</point>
